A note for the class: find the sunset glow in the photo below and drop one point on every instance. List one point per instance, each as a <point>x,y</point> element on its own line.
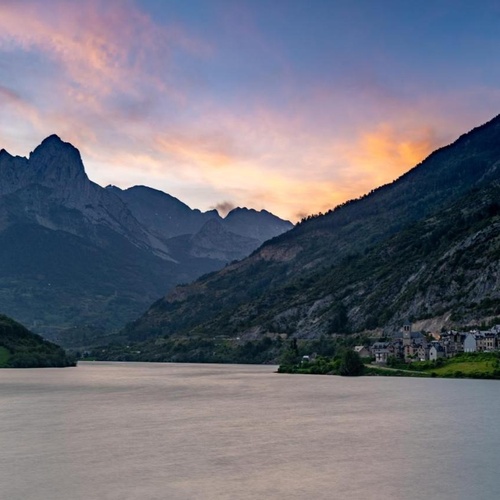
<point>289,106</point>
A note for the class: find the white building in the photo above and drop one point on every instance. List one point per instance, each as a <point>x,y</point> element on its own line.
<point>470,344</point>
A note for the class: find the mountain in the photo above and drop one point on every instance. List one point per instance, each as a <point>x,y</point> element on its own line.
<point>20,348</point>
<point>204,235</point>
<point>163,214</point>
<point>425,247</point>
<point>242,221</point>
<point>73,253</point>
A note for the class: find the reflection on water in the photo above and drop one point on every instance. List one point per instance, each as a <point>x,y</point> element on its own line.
<point>168,431</point>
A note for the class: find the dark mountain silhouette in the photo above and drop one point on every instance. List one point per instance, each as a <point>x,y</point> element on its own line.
<point>73,253</point>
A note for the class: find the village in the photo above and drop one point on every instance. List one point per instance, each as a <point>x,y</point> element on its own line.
<point>409,345</point>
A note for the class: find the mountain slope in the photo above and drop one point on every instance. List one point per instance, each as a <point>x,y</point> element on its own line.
<point>73,254</point>
<point>369,263</point>
<point>165,215</point>
<point>20,348</point>
<point>188,233</point>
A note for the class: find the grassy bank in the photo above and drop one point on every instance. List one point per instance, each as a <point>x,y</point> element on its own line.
<point>470,365</point>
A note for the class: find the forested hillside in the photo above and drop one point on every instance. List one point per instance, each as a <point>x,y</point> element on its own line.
<point>20,348</point>
<point>424,247</point>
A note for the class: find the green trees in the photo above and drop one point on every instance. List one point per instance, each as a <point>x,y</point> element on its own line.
<point>351,364</point>
<point>348,363</point>
<point>290,355</point>
<point>20,348</point>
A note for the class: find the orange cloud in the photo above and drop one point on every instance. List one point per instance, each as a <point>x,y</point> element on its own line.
<point>266,160</point>
<point>108,80</point>
<point>396,150</point>
<point>212,150</point>
<point>382,154</point>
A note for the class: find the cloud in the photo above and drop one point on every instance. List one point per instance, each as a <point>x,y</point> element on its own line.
<point>224,207</point>
<point>8,96</point>
<point>382,154</point>
<point>104,75</point>
<point>145,103</point>
<point>105,54</point>
<point>213,150</point>
<point>265,159</point>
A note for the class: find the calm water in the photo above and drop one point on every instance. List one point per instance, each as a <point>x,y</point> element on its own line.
<point>165,431</point>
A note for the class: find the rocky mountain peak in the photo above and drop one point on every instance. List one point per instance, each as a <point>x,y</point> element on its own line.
<point>260,225</point>
<point>107,253</point>
<point>57,162</point>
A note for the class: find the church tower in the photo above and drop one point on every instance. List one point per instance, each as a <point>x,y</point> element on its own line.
<point>407,333</point>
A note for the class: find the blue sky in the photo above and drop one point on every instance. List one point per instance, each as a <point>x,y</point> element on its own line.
<point>293,106</point>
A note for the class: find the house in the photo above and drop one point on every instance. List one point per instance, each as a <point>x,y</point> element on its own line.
<point>470,344</point>
<point>486,341</point>
<point>415,346</point>
<point>453,343</point>
<point>436,351</point>
<point>381,352</point>
<point>423,351</point>
<point>409,344</point>
<point>362,351</point>
<point>396,348</point>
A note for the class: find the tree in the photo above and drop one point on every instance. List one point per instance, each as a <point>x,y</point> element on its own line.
<point>290,356</point>
<point>351,364</point>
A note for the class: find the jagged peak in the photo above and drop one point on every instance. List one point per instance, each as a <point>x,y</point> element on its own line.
<point>57,159</point>
<point>54,141</point>
<point>252,211</point>
<point>212,211</point>
<point>239,210</point>
<point>52,137</point>
<point>248,210</point>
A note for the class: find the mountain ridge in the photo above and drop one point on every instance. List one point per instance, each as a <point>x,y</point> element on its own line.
<point>125,254</point>
<point>297,284</point>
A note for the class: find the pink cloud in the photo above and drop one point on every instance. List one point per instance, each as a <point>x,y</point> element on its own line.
<point>109,81</point>
<point>102,48</point>
<point>8,96</point>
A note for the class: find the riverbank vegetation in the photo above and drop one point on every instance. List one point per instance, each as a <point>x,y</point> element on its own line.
<point>345,363</point>
<point>479,365</point>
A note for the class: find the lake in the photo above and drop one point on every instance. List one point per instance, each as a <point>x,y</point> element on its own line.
<point>185,431</point>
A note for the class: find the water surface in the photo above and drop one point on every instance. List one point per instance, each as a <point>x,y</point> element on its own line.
<point>178,431</point>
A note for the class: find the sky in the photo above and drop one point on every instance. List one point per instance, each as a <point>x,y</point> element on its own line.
<point>293,106</point>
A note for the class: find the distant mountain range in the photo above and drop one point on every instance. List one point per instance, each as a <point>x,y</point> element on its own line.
<point>73,253</point>
<point>425,247</point>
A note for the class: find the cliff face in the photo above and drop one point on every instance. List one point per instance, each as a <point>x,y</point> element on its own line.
<point>425,247</point>
<point>73,253</point>
<point>51,189</point>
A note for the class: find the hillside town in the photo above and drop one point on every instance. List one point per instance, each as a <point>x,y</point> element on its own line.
<point>409,345</point>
